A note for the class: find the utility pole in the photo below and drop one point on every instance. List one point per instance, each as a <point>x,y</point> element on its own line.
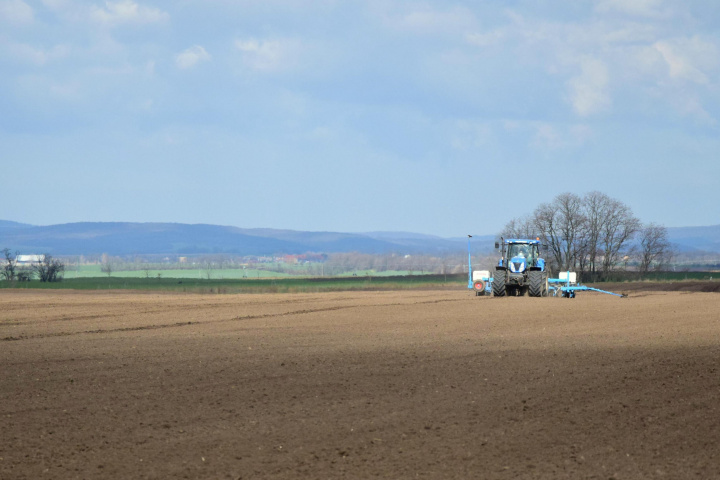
<point>470,283</point>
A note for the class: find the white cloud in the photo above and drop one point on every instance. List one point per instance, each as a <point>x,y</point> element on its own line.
<point>33,55</point>
<point>467,134</point>
<point>690,105</point>
<point>556,137</point>
<point>127,11</point>
<point>627,33</point>
<point>642,8</point>
<point>485,39</point>
<point>457,19</point>
<point>191,57</point>
<point>588,91</point>
<point>547,136</point>
<point>422,18</point>
<point>48,90</point>
<point>16,12</point>
<point>689,59</point>
<point>268,55</point>
<point>55,4</point>
<point>645,59</point>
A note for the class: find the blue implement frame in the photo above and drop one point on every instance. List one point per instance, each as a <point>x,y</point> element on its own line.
<point>567,289</point>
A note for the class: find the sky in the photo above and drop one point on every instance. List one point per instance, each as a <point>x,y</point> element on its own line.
<point>437,117</point>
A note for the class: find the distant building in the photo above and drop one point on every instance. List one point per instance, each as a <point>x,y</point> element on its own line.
<point>29,259</point>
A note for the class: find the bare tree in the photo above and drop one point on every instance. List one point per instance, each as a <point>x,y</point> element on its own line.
<point>107,267</point>
<point>618,229</point>
<point>208,267</point>
<point>519,228</point>
<point>655,249</point>
<point>562,224</point>
<point>595,204</point>
<point>49,269</point>
<point>610,228</point>
<point>24,274</point>
<point>592,234</point>
<point>9,270</point>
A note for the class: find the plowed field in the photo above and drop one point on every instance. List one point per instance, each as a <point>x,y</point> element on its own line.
<point>430,384</point>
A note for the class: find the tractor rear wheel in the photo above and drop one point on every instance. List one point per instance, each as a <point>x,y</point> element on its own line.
<point>498,284</point>
<point>537,283</point>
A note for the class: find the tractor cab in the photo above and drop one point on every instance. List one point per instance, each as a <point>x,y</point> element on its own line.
<point>520,256</point>
<point>520,270</point>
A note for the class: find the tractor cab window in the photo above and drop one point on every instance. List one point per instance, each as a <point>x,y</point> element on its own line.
<point>532,254</point>
<point>517,250</point>
<point>528,252</point>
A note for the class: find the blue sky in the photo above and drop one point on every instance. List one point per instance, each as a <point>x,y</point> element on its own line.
<point>434,117</point>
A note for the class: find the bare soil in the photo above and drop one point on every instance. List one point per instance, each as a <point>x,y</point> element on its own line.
<point>428,384</point>
<point>680,286</point>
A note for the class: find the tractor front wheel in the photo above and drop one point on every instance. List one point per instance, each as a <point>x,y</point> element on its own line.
<point>498,284</point>
<point>537,283</point>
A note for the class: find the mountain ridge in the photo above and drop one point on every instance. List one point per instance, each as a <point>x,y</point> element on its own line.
<point>129,238</point>
<point>167,238</point>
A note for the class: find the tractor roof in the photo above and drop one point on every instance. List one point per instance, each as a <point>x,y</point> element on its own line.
<point>510,241</point>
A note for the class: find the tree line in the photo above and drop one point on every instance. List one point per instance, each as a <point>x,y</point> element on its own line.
<point>48,269</point>
<point>593,234</point>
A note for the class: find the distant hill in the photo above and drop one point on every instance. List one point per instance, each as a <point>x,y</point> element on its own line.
<point>418,241</point>
<point>6,224</point>
<point>696,238</point>
<point>118,238</point>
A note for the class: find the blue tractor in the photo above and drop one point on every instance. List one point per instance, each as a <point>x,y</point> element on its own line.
<point>520,270</point>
